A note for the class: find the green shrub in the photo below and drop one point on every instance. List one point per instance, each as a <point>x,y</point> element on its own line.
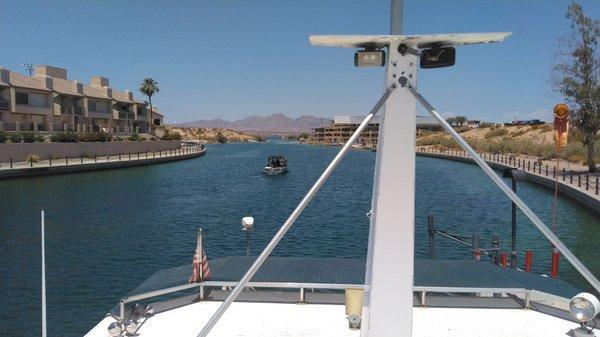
<point>221,138</point>
<point>32,158</point>
<point>28,137</point>
<point>544,128</point>
<point>574,135</point>
<point>16,138</point>
<point>462,129</point>
<point>487,125</point>
<point>519,132</point>
<point>496,133</point>
<point>575,158</point>
<point>3,137</point>
<point>508,145</point>
<point>171,135</point>
<point>134,138</point>
<point>32,137</point>
<point>94,137</point>
<point>438,140</point>
<point>64,137</point>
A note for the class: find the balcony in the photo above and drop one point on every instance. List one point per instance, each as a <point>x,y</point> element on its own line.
<point>100,114</point>
<point>66,110</point>
<point>127,115</point>
<point>4,104</point>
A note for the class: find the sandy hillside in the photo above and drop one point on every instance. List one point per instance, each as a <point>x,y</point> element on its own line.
<point>539,134</point>
<point>210,135</point>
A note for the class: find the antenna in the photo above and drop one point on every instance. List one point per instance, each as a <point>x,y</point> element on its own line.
<point>44,332</point>
<point>29,68</point>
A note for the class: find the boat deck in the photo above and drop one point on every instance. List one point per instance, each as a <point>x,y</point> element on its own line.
<point>306,270</point>
<point>262,319</point>
<point>292,296</point>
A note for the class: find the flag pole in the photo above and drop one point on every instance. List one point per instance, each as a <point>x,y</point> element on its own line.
<point>44,332</point>
<point>200,252</point>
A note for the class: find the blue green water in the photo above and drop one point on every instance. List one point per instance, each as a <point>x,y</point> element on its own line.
<point>107,231</point>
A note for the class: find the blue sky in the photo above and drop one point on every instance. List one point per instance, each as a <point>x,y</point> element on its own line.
<point>231,59</point>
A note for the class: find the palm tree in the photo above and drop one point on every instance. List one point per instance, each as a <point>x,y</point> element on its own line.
<point>149,87</point>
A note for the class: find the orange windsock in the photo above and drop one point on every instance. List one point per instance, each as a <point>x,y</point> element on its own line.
<point>561,125</point>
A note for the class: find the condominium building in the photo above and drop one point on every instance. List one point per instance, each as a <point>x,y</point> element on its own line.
<point>342,127</point>
<point>49,101</point>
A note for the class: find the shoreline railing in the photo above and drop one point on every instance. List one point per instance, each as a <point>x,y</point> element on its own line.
<point>588,182</point>
<point>53,161</point>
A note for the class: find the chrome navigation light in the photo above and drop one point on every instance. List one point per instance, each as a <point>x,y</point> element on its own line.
<point>114,329</point>
<point>584,307</point>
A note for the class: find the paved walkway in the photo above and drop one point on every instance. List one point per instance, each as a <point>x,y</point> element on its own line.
<point>571,177</point>
<point>83,163</point>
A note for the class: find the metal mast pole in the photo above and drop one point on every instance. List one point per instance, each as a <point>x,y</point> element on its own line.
<point>513,228</point>
<point>397,13</point>
<point>388,298</point>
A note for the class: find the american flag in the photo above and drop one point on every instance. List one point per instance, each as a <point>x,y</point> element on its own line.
<point>196,275</point>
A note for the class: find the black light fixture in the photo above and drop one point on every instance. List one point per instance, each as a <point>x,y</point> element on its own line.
<point>438,57</point>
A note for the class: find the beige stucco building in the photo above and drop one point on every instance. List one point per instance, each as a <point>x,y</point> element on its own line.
<point>49,101</point>
<point>342,127</point>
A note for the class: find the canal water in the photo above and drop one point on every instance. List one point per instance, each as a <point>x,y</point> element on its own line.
<point>107,231</point>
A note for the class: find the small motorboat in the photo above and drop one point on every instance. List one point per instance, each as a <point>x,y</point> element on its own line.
<point>276,165</point>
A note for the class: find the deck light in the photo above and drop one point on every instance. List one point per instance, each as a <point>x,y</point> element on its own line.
<point>131,327</point>
<point>369,58</point>
<point>149,311</point>
<point>115,329</point>
<point>584,307</point>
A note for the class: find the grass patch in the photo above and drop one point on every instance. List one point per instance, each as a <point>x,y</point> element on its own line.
<point>498,132</point>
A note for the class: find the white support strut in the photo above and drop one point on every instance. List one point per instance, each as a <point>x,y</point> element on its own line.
<point>387,308</point>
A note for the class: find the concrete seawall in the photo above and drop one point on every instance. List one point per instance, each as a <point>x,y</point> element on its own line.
<point>92,165</point>
<point>19,152</point>
<point>574,193</point>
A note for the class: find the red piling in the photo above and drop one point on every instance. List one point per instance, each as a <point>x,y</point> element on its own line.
<point>503,259</point>
<point>528,260</point>
<point>477,255</point>
<point>554,267</point>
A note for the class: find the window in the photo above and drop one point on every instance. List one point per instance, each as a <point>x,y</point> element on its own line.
<point>101,107</point>
<point>91,106</point>
<point>22,98</point>
<point>38,100</point>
